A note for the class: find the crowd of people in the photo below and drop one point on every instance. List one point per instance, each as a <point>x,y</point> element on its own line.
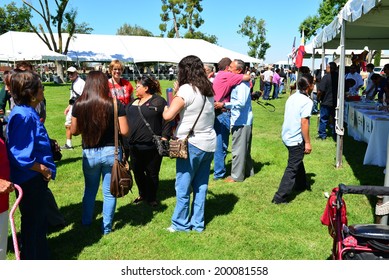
<point>217,99</point>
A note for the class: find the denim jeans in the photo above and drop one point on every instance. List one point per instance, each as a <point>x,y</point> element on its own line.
<point>266,94</point>
<point>275,91</point>
<point>192,176</point>
<point>97,163</point>
<point>222,129</point>
<point>325,113</point>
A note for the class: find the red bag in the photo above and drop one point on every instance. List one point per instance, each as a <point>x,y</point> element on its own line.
<point>329,214</point>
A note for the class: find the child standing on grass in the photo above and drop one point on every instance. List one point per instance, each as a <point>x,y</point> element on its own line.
<point>295,136</point>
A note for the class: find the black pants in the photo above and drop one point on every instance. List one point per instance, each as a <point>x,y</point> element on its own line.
<point>146,164</point>
<point>33,209</point>
<point>294,175</point>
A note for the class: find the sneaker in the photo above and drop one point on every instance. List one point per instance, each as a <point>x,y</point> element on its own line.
<point>171,229</point>
<point>66,147</point>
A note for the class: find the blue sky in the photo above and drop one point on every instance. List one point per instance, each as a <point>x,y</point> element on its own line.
<point>222,19</point>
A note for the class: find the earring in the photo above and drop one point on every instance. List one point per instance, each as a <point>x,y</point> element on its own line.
<point>33,99</point>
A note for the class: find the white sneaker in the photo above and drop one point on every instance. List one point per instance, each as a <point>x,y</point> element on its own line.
<point>171,229</point>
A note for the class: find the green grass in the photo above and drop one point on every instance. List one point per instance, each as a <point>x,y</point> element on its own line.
<point>241,223</point>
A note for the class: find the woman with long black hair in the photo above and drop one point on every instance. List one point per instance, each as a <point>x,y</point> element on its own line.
<point>93,118</point>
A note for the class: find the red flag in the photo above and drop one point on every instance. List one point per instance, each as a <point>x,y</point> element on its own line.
<point>300,53</point>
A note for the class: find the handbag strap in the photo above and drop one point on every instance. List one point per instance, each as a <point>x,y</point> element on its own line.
<point>191,131</point>
<point>145,121</point>
<point>115,121</point>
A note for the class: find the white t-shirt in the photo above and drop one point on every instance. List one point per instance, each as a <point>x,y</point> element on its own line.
<point>297,106</point>
<point>268,76</point>
<point>77,87</point>
<point>204,136</point>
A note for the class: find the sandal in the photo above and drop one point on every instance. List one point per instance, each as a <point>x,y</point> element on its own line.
<point>138,199</point>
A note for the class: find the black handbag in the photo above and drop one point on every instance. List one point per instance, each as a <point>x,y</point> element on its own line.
<point>161,144</point>
<point>55,149</point>
<point>121,177</point>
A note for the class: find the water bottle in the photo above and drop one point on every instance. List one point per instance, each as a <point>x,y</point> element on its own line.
<point>169,95</point>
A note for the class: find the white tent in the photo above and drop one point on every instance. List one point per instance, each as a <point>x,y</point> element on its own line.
<point>92,47</point>
<point>360,23</point>
<point>14,49</point>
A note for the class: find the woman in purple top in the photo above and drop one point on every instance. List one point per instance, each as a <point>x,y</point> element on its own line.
<point>276,83</point>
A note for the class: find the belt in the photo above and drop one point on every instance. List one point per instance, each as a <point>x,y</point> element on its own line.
<point>224,109</point>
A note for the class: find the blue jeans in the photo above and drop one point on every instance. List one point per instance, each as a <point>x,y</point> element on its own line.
<point>281,89</point>
<point>325,113</point>
<point>97,163</point>
<point>266,93</point>
<point>275,90</point>
<point>222,129</point>
<point>192,176</point>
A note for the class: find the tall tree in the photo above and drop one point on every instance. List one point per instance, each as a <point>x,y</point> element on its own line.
<point>191,19</point>
<point>184,14</point>
<point>328,9</point>
<point>256,32</point>
<point>62,21</point>
<point>13,18</point>
<point>171,10</point>
<point>135,30</point>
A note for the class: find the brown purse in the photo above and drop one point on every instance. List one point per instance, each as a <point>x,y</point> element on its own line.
<point>178,148</point>
<point>121,177</point>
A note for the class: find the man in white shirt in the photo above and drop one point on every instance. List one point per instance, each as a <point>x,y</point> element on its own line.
<point>268,81</point>
<point>354,90</point>
<point>75,92</point>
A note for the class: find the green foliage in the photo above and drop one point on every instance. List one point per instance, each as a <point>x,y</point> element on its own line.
<point>199,35</point>
<point>13,18</point>
<point>328,9</point>
<point>185,14</point>
<point>241,222</point>
<point>256,32</point>
<point>136,30</point>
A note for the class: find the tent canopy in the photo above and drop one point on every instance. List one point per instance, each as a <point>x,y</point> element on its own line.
<point>25,49</point>
<point>93,47</point>
<point>366,23</point>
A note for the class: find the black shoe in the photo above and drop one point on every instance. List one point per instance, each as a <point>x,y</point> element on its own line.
<point>138,199</point>
<point>279,202</point>
<point>321,138</point>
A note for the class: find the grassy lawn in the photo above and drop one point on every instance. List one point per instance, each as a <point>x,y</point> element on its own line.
<point>241,223</point>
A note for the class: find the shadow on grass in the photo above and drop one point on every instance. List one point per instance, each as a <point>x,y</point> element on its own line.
<point>67,161</point>
<point>219,204</point>
<point>256,165</point>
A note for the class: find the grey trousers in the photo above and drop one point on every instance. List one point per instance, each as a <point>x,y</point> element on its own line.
<point>242,163</point>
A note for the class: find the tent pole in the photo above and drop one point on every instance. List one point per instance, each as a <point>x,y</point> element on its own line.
<point>313,61</point>
<point>384,219</point>
<point>339,110</point>
<point>323,65</point>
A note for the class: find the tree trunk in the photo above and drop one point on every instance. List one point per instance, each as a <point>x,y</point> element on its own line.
<point>59,67</point>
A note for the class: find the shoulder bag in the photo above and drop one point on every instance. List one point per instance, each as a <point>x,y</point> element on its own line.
<point>178,148</point>
<point>121,177</point>
<point>162,145</point>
